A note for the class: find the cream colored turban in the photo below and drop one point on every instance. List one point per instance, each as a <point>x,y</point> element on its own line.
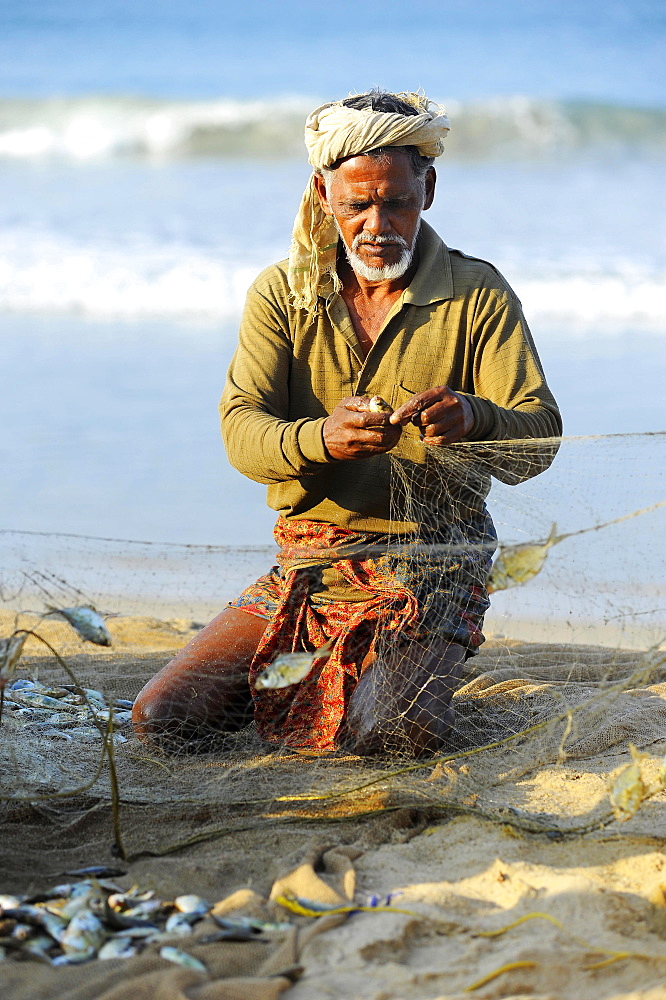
<point>332,132</point>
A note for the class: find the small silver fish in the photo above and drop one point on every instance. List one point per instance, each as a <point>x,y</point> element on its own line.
<point>84,936</point>
<point>53,924</point>
<point>516,564</point>
<point>87,622</point>
<point>58,892</point>
<point>149,933</point>
<point>59,720</point>
<point>39,700</point>
<point>84,896</point>
<point>118,947</point>
<point>290,668</point>
<point>144,909</point>
<point>250,923</point>
<point>8,902</point>
<point>125,924</point>
<point>39,945</point>
<point>137,896</point>
<point>182,958</point>
<point>379,405</point>
<point>192,905</point>
<point>123,703</point>
<point>118,900</point>
<point>10,654</point>
<point>97,871</point>
<point>180,924</point>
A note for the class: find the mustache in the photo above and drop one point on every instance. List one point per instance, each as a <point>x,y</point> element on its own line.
<point>379,240</point>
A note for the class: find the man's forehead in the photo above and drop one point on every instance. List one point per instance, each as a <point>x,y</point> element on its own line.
<point>391,171</point>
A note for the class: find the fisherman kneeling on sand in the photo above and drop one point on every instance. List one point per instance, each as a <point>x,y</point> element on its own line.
<point>370,303</point>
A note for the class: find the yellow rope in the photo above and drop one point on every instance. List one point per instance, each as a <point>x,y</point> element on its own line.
<point>498,972</point>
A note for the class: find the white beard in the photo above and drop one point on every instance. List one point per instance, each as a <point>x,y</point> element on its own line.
<point>388,272</point>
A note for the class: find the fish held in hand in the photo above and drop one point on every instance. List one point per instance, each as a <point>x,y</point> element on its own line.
<point>290,668</point>
<point>379,405</point>
<point>516,564</point>
<point>87,623</point>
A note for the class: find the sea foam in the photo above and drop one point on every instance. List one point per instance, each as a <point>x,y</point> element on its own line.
<point>44,272</point>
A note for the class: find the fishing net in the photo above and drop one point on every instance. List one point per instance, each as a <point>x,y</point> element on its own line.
<point>573,667</point>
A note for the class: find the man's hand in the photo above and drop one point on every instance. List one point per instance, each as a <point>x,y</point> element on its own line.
<point>353,431</point>
<point>442,416</point>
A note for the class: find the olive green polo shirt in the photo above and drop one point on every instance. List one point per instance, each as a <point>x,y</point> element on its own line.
<point>457,324</point>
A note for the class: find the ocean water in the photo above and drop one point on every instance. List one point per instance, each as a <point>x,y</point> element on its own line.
<point>151,162</point>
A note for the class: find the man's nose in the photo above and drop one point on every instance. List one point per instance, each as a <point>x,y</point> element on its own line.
<point>377,221</point>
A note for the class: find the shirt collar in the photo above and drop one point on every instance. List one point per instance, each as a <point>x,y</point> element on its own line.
<point>433,280</point>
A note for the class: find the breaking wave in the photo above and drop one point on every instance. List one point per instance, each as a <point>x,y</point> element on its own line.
<point>49,273</point>
<point>83,128</point>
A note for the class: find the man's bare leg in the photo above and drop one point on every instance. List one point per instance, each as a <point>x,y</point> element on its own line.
<point>204,690</point>
<point>402,703</point>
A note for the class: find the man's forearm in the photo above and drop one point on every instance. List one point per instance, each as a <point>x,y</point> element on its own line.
<point>269,450</point>
<point>498,423</point>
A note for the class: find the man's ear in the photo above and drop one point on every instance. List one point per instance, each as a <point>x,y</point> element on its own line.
<point>320,188</point>
<point>430,181</point>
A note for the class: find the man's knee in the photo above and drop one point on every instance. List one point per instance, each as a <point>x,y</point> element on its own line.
<point>156,719</point>
<point>175,717</point>
<point>402,704</point>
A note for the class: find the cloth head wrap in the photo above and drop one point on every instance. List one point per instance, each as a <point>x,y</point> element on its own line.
<point>332,132</point>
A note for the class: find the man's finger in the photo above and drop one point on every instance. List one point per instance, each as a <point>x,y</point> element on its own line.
<point>415,405</point>
<point>375,420</point>
<point>358,404</point>
<point>443,411</point>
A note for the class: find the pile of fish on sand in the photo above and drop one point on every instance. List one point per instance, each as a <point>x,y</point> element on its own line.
<point>93,918</point>
<point>66,712</point>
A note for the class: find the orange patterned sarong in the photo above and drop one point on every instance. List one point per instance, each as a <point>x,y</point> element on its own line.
<point>301,616</point>
<point>308,715</point>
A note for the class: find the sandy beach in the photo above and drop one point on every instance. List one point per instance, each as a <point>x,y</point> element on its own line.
<point>152,162</point>
<point>563,914</point>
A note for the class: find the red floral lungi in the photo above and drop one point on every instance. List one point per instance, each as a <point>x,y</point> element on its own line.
<point>308,715</point>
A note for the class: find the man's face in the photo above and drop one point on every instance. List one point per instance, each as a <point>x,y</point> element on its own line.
<point>377,205</point>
